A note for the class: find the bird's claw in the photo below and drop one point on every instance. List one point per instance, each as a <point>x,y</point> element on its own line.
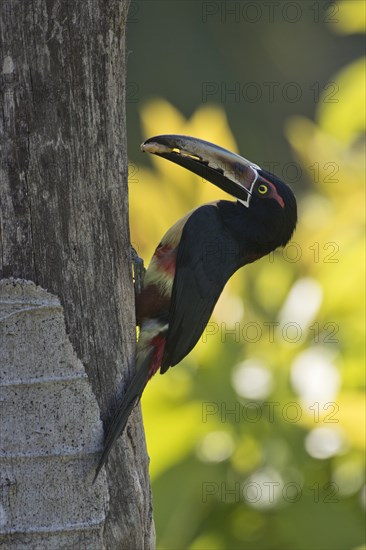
<point>138,270</point>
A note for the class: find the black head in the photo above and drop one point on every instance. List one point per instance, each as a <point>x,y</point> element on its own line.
<point>273,206</point>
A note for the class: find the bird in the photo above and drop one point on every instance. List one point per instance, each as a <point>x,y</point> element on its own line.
<point>198,255</point>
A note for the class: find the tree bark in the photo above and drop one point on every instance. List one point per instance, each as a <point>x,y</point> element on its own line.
<point>64,227</point>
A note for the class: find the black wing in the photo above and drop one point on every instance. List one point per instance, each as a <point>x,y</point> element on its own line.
<point>208,255</point>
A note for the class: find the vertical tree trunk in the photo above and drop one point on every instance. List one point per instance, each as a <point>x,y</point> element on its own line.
<point>64,227</point>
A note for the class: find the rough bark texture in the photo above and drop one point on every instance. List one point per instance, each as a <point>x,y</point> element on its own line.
<point>64,223</point>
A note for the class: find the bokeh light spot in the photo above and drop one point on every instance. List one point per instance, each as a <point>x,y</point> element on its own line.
<point>215,447</point>
<point>314,376</point>
<point>252,379</point>
<point>324,443</point>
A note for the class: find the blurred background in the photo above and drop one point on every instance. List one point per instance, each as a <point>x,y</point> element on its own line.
<point>256,439</point>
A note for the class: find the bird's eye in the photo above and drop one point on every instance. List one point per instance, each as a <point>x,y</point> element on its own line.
<point>262,189</point>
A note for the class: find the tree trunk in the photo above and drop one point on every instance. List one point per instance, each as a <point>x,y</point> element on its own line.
<point>64,227</point>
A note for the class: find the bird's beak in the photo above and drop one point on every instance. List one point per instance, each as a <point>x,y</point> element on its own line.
<point>232,173</point>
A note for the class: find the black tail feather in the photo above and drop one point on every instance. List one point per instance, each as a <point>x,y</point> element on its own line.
<point>130,399</point>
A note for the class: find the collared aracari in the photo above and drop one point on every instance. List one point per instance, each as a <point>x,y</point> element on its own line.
<point>198,255</point>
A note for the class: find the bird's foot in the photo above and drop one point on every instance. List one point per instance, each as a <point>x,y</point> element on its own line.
<point>138,270</point>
